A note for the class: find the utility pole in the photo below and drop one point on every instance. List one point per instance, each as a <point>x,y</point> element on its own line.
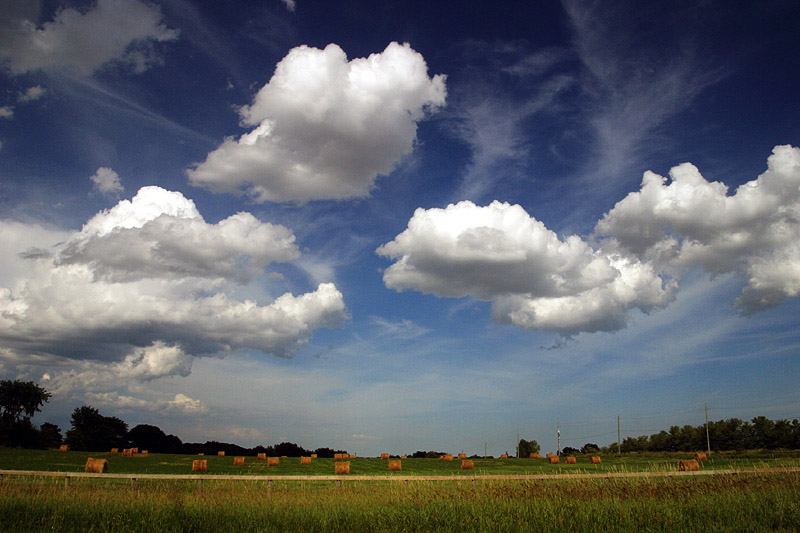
<point>708,439</point>
<point>619,438</point>
<point>558,432</point>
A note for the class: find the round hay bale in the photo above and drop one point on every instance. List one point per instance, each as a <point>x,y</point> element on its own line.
<point>221,454</point>
<point>571,461</point>
<point>200,465</point>
<point>238,461</point>
<point>403,457</point>
<point>63,448</point>
<point>395,464</point>
<point>553,459</point>
<point>313,456</point>
<point>114,450</point>
<point>549,455</point>
<point>96,466</point>
<point>144,452</point>
<point>200,453</point>
<point>338,456</point>
<point>467,464</point>
<point>305,461</point>
<point>273,461</point>
<point>535,456</point>
<point>503,456</point>
<point>462,456</point>
<point>700,456</point>
<point>134,450</point>
<point>342,468</point>
<point>595,460</point>
<point>384,456</point>
<point>688,465</point>
<point>262,457</point>
<point>447,457</point>
<point>127,452</point>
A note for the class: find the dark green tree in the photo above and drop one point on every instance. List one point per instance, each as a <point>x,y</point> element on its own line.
<point>49,436</point>
<point>19,401</point>
<point>94,432</point>
<point>527,447</point>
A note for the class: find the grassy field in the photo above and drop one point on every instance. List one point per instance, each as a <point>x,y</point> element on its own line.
<point>745,502</point>
<point>53,460</point>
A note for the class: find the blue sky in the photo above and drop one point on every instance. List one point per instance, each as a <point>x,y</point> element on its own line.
<point>398,226</point>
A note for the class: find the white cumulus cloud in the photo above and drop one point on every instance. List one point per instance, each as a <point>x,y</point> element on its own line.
<point>536,280</point>
<point>689,222</point>
<point>149,283</point>
<point>325,127</point>
<point>106,181</point>
<point>80,41</point>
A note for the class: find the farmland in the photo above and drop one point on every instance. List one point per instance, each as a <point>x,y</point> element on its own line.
<point>755,502</point>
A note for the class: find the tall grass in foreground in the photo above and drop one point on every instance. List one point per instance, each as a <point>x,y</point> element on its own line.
<point>752,502</point>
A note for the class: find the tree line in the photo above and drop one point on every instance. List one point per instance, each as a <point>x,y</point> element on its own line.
<point>760,433</point>
<point>94,432</point>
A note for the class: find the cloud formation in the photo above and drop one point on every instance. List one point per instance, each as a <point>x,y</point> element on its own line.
<point>499,253</point>
<point>150,283</point>
<point>690,222</point>
<point>325,127</point>
<point>106,181</point>
<point>112,30</point>
<point>536,280</point>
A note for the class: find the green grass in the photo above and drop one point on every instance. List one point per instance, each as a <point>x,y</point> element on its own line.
<point>753,502</point>
<point>53,460</point>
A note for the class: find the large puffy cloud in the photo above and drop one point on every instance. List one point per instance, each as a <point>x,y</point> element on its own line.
<point>161,234</point>
<point>535,280</point>
<point>149,283</point>
<point>112,30</point>
<point>325,127</point>
<point>691,222</point>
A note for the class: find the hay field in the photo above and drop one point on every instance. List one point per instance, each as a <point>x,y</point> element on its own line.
<point>756,502</point>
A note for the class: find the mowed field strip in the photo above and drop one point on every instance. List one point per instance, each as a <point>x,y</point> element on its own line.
<point>484,477</point>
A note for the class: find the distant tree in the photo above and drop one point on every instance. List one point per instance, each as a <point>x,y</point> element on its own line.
<point>527,447</point>
<point>153,439</point>
<point>590,447</point>
<point>568,450</point>
<point>21,399</point>
<point>290,449</point>
<point>325,452</point>
<point>94,432</point>
<point>49,436</point>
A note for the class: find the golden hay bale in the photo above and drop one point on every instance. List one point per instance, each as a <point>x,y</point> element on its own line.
<point>447,457</point>
<point>571,461</point>
<point>337,456</point>
<point>200,453</point>
<point>467,464</point>
<point>595,460</point>
<point>352,456</point>
<point>688,465</point>
<point>403,457</point>
<point>238,461</point>
<point>134,450</point>
<point>504,456</point>
<point>700,456</point>
<point>262,457</point>
<point>221,454</point>
<point>462,456</point>
<point>63,448</point>
<point>96,466</point>
<point>144,452</point>
<point>553,459</point>
<point>384,456</point>
<point>395,464</point>
<point>127,452</point>
<point>305,461</point>
<point>200,465</point>
<point>114,450</point>
<point>535,456</point>
<point>549,455</point>
<point>342,468</point>
<point>273,461</point>
<point>313,456</point>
